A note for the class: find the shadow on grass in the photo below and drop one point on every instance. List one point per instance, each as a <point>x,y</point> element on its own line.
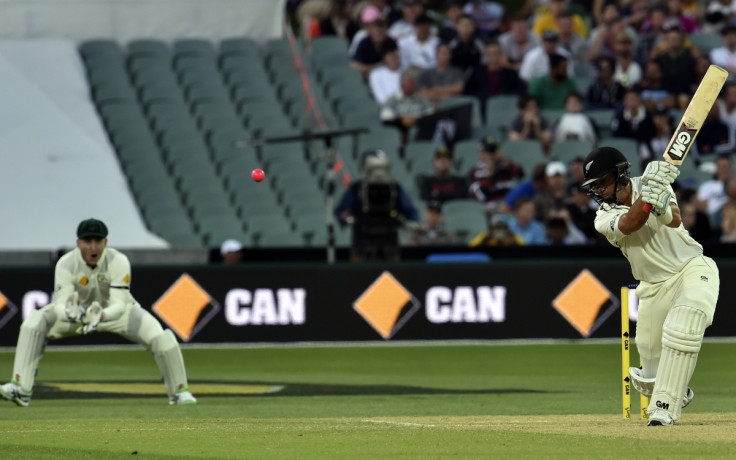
<point>138,389</point>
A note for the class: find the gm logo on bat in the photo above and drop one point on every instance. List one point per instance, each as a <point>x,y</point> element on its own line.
<point>682,142</point>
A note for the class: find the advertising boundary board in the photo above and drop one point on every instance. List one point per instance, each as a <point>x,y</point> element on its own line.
<point>248,303</point>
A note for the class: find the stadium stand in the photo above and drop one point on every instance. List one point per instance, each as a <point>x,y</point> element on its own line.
<point>55,149</point>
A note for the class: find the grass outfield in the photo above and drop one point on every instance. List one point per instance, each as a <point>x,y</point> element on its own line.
<point>385,401</point>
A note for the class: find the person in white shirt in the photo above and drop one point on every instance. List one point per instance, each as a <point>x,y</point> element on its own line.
<point>385,81</point>
<point>725,56</point>
<point>678,285</point>
<point>92,294</point>
<point>536,61</point>
<point>575,123</point>
<point>419,49</point>
<point>404,27</point>
<point>711,195</point>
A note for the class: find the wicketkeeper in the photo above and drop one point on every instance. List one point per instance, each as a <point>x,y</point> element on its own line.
<point>678,286</point>
<point>92,293</point>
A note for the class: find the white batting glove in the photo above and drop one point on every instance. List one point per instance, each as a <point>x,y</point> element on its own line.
<point>660,172</point>
<point>91,319</point>
<point>73,311</point>
<point>658,196</point>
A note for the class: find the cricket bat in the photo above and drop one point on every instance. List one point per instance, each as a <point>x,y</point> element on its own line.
<point>692,120</point>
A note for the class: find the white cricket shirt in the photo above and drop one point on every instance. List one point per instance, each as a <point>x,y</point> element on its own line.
<point>655,252</point>
<point>108,282</point>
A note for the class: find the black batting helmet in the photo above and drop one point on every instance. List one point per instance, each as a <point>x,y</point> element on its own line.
<point>602,162</point>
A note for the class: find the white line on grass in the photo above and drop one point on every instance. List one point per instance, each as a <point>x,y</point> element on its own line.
<point>368,344</point>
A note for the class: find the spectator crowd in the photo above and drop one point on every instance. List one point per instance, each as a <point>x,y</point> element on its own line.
<point>637,62</point>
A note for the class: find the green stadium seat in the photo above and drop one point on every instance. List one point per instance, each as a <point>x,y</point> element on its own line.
<point>528,153</point>
<point>465,218</point>
<point>193,47</point>
<point>455,101</point>
<point>602,119</point>
<point>102,47</point>
<point>706,41</point>
<point>275,222</point>
<point>240,47</point>
<point>500,110</point>
<point>148,47</point>
<point>465,155</point>
<point>566,150</point>
<point>276,239</point>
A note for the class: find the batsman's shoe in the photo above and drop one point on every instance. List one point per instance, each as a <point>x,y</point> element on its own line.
<point>660,417</point>
<point>12,392</point>
<point>688,397</point>
<point>183,397</point>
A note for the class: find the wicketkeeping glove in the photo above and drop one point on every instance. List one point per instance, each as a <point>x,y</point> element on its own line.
<point>91,319</point>
<point>73,311</point>
<point>660,172</point>
<point>658,196</point>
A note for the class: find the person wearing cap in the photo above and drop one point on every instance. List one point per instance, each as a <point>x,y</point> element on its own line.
<point>554,196</point>
<point>368,15</point>
<point>443,185</point>
<point>493,175</point>
<point>231,251</point>
<point>627,71</point>
<point>537,61</point>
<point>418,48</point>
<point>92,294</point>
<point>431,232</point>
<point>548,21</point>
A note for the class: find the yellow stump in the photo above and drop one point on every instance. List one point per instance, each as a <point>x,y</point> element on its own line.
<point>625,379</point>
<point>625,362</point>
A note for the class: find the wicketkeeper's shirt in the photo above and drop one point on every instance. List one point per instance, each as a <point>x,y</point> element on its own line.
<point>656,252</point>
<point>108,282</point>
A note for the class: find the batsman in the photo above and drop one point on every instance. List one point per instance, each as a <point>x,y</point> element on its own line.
<point>92,294</point>
<point>678,285</point>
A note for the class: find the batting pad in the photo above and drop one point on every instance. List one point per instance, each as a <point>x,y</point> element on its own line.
<point>170,362</point>
<point>28,352</point>
<point>682,336</point>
